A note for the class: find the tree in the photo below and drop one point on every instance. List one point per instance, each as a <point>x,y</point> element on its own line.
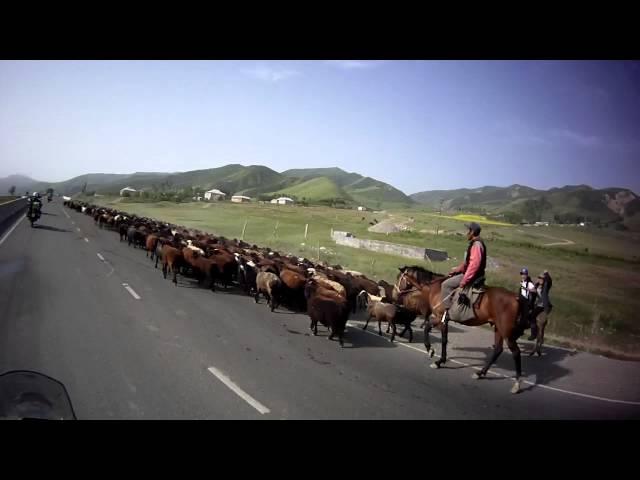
<point>12,190</point>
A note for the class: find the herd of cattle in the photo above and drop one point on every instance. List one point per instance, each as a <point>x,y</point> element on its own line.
<point>329,294</point>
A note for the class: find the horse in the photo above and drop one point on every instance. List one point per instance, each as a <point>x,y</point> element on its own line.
<point>498,306</point>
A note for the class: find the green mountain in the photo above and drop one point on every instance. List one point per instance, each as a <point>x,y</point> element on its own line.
<point>315,185</point>
<point>568,203</point>
<point>315,189</point>
<point>354,187</point>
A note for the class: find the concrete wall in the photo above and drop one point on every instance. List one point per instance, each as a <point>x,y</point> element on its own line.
<point>345,238</point>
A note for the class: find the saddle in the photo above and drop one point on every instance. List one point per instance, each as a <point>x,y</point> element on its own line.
<point>464,303</point>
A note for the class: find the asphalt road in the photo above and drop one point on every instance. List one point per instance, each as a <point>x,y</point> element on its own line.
<point>188,353</point>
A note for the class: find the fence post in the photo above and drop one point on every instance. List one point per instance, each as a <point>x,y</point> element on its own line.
<point>243,229</point>
<point>275,230</point>
<point>306,229</point>
<point>318,251</point>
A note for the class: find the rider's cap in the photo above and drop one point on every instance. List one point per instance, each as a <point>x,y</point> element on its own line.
<point>474,227</point>
<point>524,271</point>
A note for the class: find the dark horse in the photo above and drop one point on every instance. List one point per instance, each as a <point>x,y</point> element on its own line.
<point>498,307</point>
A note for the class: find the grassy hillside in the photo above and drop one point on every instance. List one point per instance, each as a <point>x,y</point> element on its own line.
<point>565,204</point>
<point>362,190</point>
<point>316,189</point>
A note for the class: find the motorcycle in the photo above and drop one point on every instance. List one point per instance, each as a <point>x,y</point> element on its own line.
<point>34,214</point>
<point>29,395</point>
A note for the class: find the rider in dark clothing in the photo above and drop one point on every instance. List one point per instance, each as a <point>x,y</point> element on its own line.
<point>542,307</point>
<point>35,204</point>
<point>527,297</point>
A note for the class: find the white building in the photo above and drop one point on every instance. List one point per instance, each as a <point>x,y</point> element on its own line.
<point>362,209</point>
<point>214,194</point>
<point>283,201</point>
<point>127,191</point>
<point>240,199</point>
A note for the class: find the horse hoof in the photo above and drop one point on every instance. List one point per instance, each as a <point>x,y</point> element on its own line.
<point>432,352</point>
<point>516,388</point>
<point>476,376</point>
<point>434,365</point>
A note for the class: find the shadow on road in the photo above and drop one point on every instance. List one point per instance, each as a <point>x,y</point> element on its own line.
<point>52,214</point>
<point>546,368</point>
<point>52,229</point>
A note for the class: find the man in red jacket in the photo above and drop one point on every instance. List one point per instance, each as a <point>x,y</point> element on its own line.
<point>471,270</point>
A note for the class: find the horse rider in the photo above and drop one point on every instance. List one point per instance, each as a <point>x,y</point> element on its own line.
<point>471,270</point>
<point>542,306</point>
<point>527,297</point>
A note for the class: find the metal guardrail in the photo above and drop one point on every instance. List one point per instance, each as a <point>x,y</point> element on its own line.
<point>9,211</point>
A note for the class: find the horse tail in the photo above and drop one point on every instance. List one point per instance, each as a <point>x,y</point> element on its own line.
<point>521,319</point>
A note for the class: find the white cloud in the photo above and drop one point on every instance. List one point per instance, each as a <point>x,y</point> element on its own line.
<point>354,64</point>
<point>271,74</point>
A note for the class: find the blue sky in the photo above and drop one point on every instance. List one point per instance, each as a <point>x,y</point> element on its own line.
<point>418,125</point>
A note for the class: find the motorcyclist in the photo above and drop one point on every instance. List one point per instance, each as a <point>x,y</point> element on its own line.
<point>35,205</point>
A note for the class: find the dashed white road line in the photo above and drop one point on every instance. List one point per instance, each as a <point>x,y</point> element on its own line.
<point>497,374</point>
<point>86,239</point>
<point>131,291</point>
<point>78,228</point>
<point>238,391</point>
<point>6,235</point>
<point>65,213</point>
<point>100,257</point>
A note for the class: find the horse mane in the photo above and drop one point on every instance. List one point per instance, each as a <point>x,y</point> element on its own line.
<point>422,274</point>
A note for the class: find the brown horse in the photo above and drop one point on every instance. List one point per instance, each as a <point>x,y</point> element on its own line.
<point>498,307</point>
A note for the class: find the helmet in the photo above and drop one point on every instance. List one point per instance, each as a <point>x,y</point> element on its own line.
<point>524,271</point>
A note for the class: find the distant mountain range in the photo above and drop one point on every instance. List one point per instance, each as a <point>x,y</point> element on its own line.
<point>314,185</point>
<point>522,203</point>
<point>515,203</point>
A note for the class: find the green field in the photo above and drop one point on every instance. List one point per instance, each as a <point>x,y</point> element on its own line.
<point>596,278</point>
